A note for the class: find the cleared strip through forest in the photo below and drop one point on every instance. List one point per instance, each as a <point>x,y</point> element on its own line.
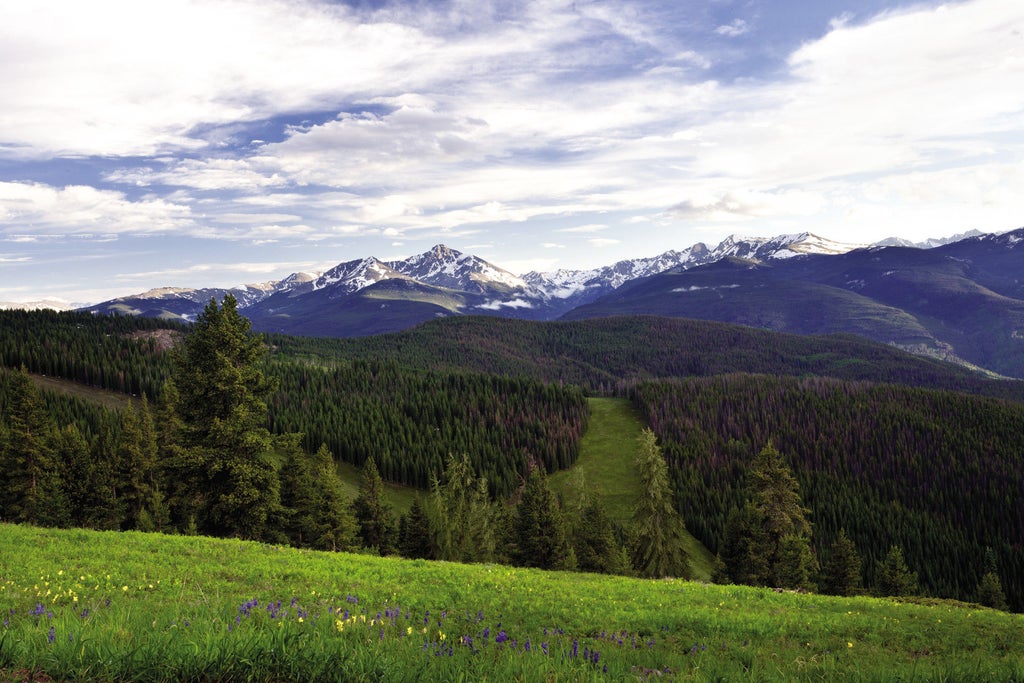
<point>605,467</point>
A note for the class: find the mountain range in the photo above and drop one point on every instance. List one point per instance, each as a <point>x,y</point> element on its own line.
<point>960,299</point>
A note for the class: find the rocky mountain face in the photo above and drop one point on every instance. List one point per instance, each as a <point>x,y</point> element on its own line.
<point>960,300</point>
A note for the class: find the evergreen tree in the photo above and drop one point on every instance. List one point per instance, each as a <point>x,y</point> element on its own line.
<point>317,514</point>
<point>221,402</point>
<point>893,577</point>
<point>176,472</point>
<point>30,490</point>
<point>658,528</point>
<point>136,464</point>
<point>796,563</point>
<point>374,518</point>
<point>414,539</point>
<point>460,514</point>
<point>842,571</point>
<point>594,542</point>
<point>742,549</point>
<point>775,495</point>
<point>540,526</point>
<point>990,589</point>
<point>71,448</point>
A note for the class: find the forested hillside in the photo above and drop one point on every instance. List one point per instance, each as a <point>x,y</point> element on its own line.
<point>934,472</point>
<point>603,354</point>
<point>919,463</point>
<point>409,421</point>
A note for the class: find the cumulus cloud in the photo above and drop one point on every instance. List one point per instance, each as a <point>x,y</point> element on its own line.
<point>462,118</point>
<point>43,210</point>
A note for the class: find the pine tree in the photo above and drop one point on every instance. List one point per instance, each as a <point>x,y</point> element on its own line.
<point>460,514</point>
<point>775,495</point>
<point>594,541</point>
<point>136,464</point>
<point>796,563</point>
<point>414,541</point>
<point>742,550</point>
<point>842,571</point>
<point>30,490</point>
<point>990,588</point>
<point>375,521</point>
<point>540,526</point>
<point>221,402</point>
<point>893,577</point>
<point>658,528</point>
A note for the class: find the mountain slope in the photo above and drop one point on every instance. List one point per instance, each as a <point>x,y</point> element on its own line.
<point>959,302</point>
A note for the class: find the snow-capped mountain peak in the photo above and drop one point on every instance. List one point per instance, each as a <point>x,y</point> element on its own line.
<point>352,276</point>
<point>443,266</point>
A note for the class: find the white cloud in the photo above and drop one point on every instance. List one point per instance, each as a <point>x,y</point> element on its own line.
<point>734,29</point>
<point>42,210</point>
<point>455,120</point>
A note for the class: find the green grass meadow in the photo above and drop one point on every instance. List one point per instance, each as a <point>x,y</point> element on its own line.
<point>605,467</point>
<point>107,606</point>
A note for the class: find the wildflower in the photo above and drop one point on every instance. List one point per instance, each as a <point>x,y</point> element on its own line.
<point>849,645</point>
<point>51,636</point>
<point>501,637</point>
<point>408,631</point>
<point>339,624</point>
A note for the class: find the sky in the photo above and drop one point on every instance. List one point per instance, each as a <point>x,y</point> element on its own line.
<point>210,143</point>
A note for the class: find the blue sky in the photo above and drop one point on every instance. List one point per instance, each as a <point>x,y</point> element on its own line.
<point>211,143</point>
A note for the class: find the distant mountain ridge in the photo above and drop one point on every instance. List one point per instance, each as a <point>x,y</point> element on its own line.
<point>961,301</point>
<point>535,295</point>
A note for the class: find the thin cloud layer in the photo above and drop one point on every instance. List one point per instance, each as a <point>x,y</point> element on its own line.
<point>585,127</point>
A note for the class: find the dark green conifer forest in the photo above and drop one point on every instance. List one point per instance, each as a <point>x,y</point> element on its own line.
<point>806,470</point>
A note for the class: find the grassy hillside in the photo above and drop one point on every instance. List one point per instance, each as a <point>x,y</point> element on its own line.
<point>111,607</point>
<point>605,468</point>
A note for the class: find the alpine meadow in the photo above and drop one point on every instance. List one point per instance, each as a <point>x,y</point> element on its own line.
<point>200,502</point>
<point>526,341</point>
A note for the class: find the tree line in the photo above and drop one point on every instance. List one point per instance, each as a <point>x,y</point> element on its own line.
<point>201,460</point>
<point>933,473</point>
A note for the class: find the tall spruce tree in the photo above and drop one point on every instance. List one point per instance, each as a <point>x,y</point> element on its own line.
<point>990,588</point>
<point>742,549</point>
<point>221,403</point>
<point>136,466</point>
<point>30,490</point>
<point>540,526</point>
<point>842,571</point>
<point>316,513</point>
<point>374,518</point>
<point>658,528</point>
<point>461,516</point>
<point>415,538</point>
<point>775,494</point>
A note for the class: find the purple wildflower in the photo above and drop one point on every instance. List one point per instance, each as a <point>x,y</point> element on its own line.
<point>51,636</point>
<point>501,637</point>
